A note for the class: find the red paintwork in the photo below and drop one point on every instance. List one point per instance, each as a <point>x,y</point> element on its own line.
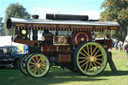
<point>64,58</point>
<point>64,27</point>
<point>28,42</point>
<point>53,50</point>
<point>49,50</point>
<point>61,40</point>
<point>78,35</point>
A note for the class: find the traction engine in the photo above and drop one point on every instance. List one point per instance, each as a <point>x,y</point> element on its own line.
<point>63,40</point>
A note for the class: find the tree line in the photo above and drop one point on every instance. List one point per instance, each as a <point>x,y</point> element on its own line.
<point>14,10</point>
<point>114,10</point>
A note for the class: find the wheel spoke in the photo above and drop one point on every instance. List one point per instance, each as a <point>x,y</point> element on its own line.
<point>37,58</point>
<point>82,61</point>
<point>83,58</point>
<point>84,64</point>
<point>31,66</point>
<point>33,60</point>
<point>89,67</point>
<point>96,52</point>
<point>32,63</point>
<point>95,65</point>
<point>42,68</point>
<point>33,70</point>
<point>91,49</point>
<point>98,63</point>
<point>42,61</point>
<point>85,52</point>
<point>99,55</point>
<point>38,70</point>
<point>87,49</point>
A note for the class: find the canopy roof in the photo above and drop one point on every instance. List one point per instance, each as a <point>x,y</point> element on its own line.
<point>61,24</point>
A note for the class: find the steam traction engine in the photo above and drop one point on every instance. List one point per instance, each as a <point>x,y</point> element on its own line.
<point>62,40</point>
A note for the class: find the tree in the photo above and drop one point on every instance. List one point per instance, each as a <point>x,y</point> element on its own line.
<point>116,10</point>
<point>1,22</point>
<point>2,32</point>
<point>15,10</point>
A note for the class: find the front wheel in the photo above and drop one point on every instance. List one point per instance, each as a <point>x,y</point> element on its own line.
<point>37,65</point>
<point>90,58</point>
<point>22,61</point>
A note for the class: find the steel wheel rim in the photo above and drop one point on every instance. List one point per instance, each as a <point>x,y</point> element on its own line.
<point>22,64</point>
<point>37,65</point>
<point>91,58</point>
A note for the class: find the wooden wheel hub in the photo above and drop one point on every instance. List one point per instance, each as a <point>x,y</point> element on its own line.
<point>38,65</point>
<point>92,59</point>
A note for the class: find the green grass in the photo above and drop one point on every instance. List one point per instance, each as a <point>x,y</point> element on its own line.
<point>58,76</point>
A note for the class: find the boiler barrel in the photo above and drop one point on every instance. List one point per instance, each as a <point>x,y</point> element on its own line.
<point>66,17</point>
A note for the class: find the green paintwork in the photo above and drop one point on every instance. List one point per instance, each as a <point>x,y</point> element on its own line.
<point>37,65</point>
<point>94,65</point>
<point>22,64</point>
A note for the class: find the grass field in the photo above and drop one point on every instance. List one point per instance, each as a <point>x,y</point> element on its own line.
<point>58,76</point>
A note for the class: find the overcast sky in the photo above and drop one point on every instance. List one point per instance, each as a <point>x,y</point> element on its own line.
<point>41,7</point>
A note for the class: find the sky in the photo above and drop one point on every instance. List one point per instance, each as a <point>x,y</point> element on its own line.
<point>41,7</point>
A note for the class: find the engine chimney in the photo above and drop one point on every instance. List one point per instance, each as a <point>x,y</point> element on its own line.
<point>35,16</point>
<point>35,32</point>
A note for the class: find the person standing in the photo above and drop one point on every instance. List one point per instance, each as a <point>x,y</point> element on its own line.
<point>116,45</point>
<point>126,48</point>
<point>120,46</point>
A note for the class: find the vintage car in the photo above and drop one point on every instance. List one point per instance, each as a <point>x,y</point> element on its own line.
<point>67,41</point>
<point>9,57</point>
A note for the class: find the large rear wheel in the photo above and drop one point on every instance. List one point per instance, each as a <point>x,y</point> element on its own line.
<point>90,58</point>
<point>37,65</point>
